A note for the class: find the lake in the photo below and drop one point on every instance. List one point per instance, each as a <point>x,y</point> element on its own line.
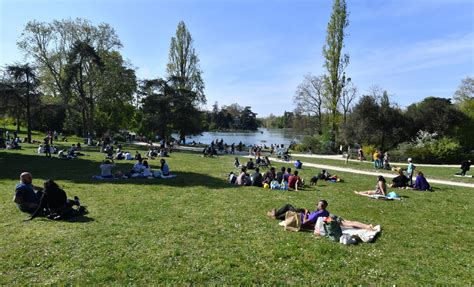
<point>260,137</point>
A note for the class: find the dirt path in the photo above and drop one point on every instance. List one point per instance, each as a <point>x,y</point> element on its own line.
<point>385,174</point>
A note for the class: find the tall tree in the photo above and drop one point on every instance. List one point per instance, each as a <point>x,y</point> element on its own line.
<point>465,90</point>
<point>49,44</point>
<point>309,98</point>
<point>25,83</point>
<point>349,93</point>
<point>335,62</point>
<point>82,60</point>
<point>183,64</point>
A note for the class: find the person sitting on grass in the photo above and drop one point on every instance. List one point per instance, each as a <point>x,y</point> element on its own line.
<point>269,176</point>
<point>138,156</point>
<point>27,196</point>
<point>250,164</point>
<point>257,178</point>
<point>421,183</point>
<point>119,155</point>
<point>298,164</point>
<point>146,170</point>
<point>266,162</point>
<point>279,175</point>
<point>165,170</point>
<point>137,167</point>
<point>236,162</point>
<point>380,188</point>
<point>308,218</point>
<point>128,156</point>
<point>287,174</point>
<point>243,178</point>
<point>106,168</point>
<point>295,182</point>
<point>400,181</point>
<point>55,204</point>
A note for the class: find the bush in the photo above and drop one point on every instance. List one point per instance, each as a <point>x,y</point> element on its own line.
<point>444,150</point>
<point>317,145</point>
<point>369,151</point>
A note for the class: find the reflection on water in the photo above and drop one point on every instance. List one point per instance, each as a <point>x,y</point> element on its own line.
<point>260,137</point>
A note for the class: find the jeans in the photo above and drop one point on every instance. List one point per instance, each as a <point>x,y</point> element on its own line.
<point>280,213</point>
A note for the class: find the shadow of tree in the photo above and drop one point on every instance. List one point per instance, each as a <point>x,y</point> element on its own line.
<point>82,169</point>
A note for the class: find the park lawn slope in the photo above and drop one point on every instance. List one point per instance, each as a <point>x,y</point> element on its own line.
<point>197,229</point>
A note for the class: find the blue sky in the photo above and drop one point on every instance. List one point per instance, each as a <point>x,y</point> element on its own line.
<point>257,52</point>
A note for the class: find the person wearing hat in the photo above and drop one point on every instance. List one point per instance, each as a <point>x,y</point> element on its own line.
<point>410,170</point>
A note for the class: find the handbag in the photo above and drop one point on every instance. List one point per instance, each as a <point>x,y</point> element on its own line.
<point>292,221</point>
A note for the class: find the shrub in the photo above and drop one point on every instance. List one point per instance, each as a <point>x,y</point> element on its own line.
<point>317,145</point>
<point>444,150</point>
<point>368,151</point>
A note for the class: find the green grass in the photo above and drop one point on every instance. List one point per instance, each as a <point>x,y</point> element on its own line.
<point>197,229</point>
<point>435,172</point>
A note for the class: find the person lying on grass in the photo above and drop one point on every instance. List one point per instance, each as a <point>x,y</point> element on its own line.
<point>309,218</point>
<point>27,196</point>
<point>380,188</point>
<point>55,205</point>
<point>325,175</point>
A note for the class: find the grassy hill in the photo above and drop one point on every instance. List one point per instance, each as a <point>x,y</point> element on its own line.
<point>197,229</point>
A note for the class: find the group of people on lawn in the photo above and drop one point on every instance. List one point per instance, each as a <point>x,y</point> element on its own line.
<point>283,179</point>
<point>49,200</point>
<point>141,169</point>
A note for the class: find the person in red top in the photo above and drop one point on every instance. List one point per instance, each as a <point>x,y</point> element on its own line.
<point>294,181</point>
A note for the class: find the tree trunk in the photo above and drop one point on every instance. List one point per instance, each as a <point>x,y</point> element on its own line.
<point>28,112</point>
<point>18,122</point>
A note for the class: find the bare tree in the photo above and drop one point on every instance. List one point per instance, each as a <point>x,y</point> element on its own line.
<point>349,93</point>
<point>309,98</point>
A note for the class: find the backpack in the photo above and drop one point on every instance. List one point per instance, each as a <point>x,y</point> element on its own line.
<point>332,227</point>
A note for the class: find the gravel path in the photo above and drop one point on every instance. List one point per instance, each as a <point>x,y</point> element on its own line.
<point>340,157</point>
<point>385,174</point>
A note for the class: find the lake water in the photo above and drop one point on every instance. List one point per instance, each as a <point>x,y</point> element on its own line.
<point>260,137</point>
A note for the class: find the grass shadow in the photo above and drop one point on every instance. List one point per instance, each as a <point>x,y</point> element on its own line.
<point>79,219</point>
<point>81,170</point>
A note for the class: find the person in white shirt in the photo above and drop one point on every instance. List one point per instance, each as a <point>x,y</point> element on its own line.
<point>106,169</point>
<point>146,172</point>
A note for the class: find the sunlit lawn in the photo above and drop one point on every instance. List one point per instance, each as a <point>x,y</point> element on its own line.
<point>197,229</point>
<point>439,172</point>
